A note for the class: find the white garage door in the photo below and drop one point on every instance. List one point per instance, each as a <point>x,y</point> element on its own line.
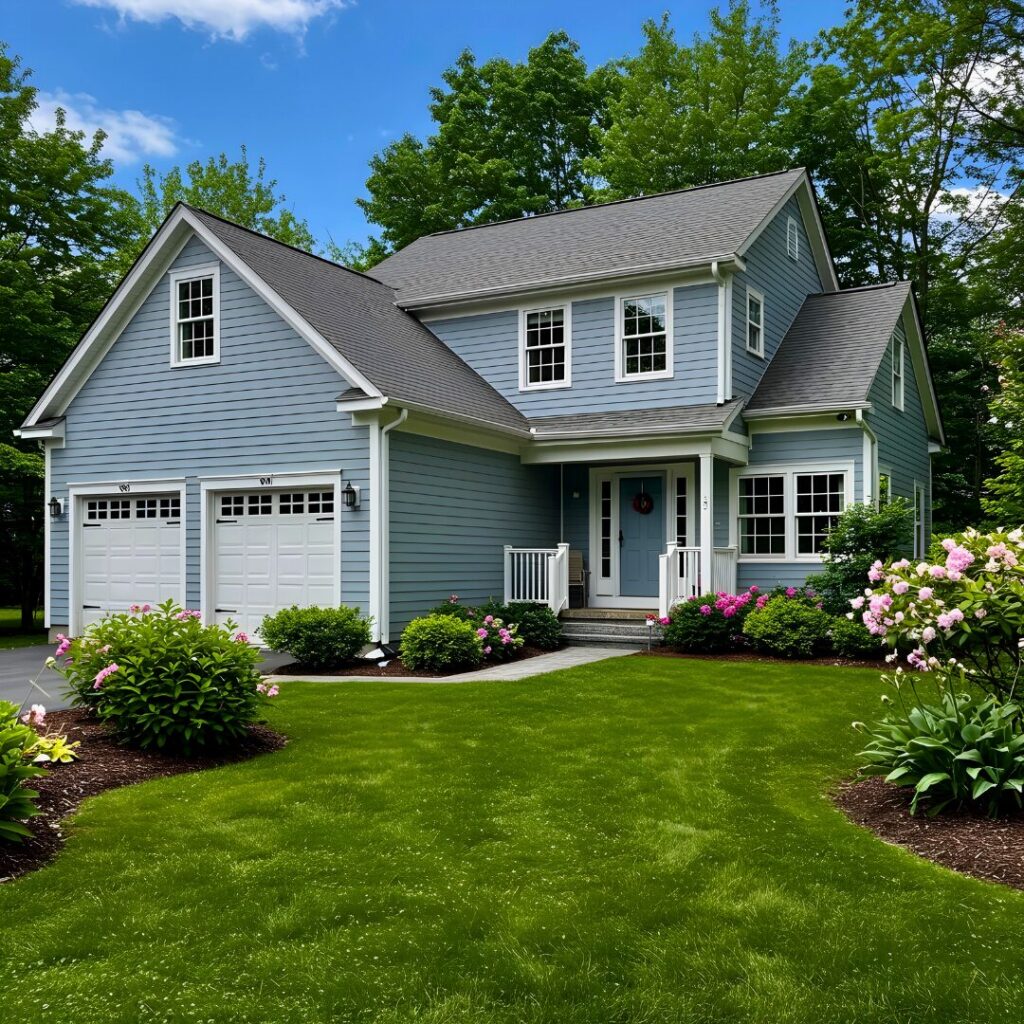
<point>272,549</point>
<point>131,553</point>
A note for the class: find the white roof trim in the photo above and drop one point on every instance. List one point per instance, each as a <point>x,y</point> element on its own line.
<point>806,409</point>
<point>40,432</point>
<point>804,191</point>
<point>138,284</point>
<point>922,370</point>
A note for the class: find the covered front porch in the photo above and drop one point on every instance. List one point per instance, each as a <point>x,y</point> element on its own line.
<point>638,534</point>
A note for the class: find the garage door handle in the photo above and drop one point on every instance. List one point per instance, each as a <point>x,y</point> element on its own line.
<point>227,520</point>
<point>91,607</point>
<point>325,519</point>
<point>92,524</point>
<point>226,611</point>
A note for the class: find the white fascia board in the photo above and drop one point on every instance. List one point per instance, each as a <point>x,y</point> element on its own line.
<point>804,191</point>
<point>367,404</point>
<point>922,369</point>
<point>791,411</point>
<point>40,433</point>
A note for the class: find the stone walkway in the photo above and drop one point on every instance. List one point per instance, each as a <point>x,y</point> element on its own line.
<point>568,657</point>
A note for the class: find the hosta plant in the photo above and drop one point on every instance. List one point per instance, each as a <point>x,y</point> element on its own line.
<point>16,801</point>
<point>964,749</point>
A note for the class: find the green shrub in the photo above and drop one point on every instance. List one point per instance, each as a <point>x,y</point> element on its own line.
<point>16,802</point>
<point>709,623</point>
<point>861,535</point>
<point>162,679</point>
<point>852,639</point>
<point>441,643</point>
<point>455,609</point>
<point>538,624</point>
<point>789,628</point>
<point>317,638</point>
<point>966,750</point>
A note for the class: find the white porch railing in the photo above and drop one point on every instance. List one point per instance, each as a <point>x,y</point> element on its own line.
<point>679,574</point>
<point>540,575</point>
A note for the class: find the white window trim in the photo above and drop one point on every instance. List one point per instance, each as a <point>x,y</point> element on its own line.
<point>897,346</point>
<point>920,539</point>
<point>753,293</point>
<point>884,473</point>
<point>621,377</point>
<point>789,472</point>
<point>191,274</point>
<point>524,383</point>
<point>793,233</point>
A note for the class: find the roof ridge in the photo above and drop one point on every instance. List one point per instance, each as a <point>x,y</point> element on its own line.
<point>859,288</point>
<point>287,245</point>
<point>611,202</point>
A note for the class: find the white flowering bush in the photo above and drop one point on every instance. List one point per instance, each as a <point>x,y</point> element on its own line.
<point>964,608</point>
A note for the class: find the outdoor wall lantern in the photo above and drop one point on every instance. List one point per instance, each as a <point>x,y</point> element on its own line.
<point>56,508</point>
<point>350,494</point>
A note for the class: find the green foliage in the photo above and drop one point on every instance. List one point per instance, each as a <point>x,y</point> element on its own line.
<point>317,637</point>
<point>851,639</point>
<point>54,749</point>
<point>706,624</point>
<point>1005,502</point>
<point>861,535</point>
<point>710,111</point>
<point>441,643</point>
<point>537,624</point>
<point>965,750</point>
<point>16,802</point>
<point>510,139</point>
<point>163,680</point>
<point>788,627</point>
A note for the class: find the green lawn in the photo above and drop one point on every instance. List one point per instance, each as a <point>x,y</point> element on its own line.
<point>636,841</point>
<point>11,634</point>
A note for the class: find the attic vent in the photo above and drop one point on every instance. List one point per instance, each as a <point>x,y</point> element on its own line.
<point>792,239</point>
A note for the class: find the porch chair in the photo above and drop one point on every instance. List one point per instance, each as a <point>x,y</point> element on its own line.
<point>579,580</point>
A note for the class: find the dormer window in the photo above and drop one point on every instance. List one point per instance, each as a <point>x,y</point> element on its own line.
<point>792,239</point>
<point>544,348</point>
<point>896,345</point>
<point>644,337</point>
<point>195,307</point>
<point>755,323</point>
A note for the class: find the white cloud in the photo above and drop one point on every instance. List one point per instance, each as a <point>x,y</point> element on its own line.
<point>229,19</point>
<point>963,203</point>
<point>131,134</point>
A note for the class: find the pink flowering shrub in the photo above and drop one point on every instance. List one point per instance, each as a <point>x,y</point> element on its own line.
<point>966,604</point>
<point>161,679</point>
<point>709,623</point>
<point>501,641</point>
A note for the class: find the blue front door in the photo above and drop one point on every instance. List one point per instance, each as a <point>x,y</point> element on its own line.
<point>641,534</point>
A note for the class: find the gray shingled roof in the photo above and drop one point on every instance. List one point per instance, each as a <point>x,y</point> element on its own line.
<point>832,350</point>
<point>679,419</point>
<point>359,318</point>
<point>669,230</point>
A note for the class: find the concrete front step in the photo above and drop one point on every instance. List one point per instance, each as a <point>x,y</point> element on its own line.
<point>605,631</point>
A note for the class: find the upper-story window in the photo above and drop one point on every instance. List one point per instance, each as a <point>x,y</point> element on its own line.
<point>792,239</point>
<point>755,322</point>
<point>644,337</point>
<point>896,346</point>
<point>545,345</point>
<point>195,328</point>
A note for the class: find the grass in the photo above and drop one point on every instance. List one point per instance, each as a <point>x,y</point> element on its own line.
<point>634,841</point>
<point>11,633</point>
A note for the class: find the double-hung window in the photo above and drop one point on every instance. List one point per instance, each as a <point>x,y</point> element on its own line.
<point>820,498</point>
<point>195,327</point>
<point>762,514</point>
<point>645,346</point>
<point>545,348</point>
<point>755,322</point>
<point>896,346</point>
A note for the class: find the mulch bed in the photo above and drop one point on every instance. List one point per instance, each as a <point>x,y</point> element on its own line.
<point>103,764</point>
<point>395,668</point>
<point>985,848</point>
<point>832,660</point>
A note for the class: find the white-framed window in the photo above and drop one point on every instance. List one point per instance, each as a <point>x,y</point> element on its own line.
<point>897,347</point>
<point>195,316</point>
<point>884,489</point>
<point>762,515</point>
<point>545,348</point>
<point>820,498</point>
<point>644,337</point>
<point>755,322</point>
<point>783,513</point>
<point>792,239</point>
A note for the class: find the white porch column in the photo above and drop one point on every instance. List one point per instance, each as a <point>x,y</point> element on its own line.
<point>707,523</point>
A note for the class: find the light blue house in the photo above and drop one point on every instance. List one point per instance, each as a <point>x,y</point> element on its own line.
<point>672,386</point>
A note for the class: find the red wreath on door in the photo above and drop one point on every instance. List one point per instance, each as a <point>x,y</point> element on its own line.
<point>643,503</point>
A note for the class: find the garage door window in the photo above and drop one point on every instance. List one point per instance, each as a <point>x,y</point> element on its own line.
<point>321,501</point>
<point>261,504</point>
<point>170,508</point>
<point>293,504</point>
<point>287,503</point>
<point>98,509</point>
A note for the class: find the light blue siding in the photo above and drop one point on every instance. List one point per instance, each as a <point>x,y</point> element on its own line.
<point>453,508</point>
<point>783,281</point>
<point>490,344</point>
<point>902,436</point>
<point>792,450</point>
<point>267,407</point>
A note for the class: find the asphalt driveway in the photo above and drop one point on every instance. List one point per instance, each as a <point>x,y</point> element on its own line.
<point>21,664</point>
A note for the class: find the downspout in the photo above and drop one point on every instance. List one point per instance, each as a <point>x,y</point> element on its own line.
<point>383,501</point>
<point>870,460</point>
<point>723,281</point>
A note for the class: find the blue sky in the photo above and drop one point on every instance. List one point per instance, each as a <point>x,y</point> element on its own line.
<point>315,86</point>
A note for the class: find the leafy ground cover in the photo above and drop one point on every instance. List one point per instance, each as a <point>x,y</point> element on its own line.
<point>642,840</point>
